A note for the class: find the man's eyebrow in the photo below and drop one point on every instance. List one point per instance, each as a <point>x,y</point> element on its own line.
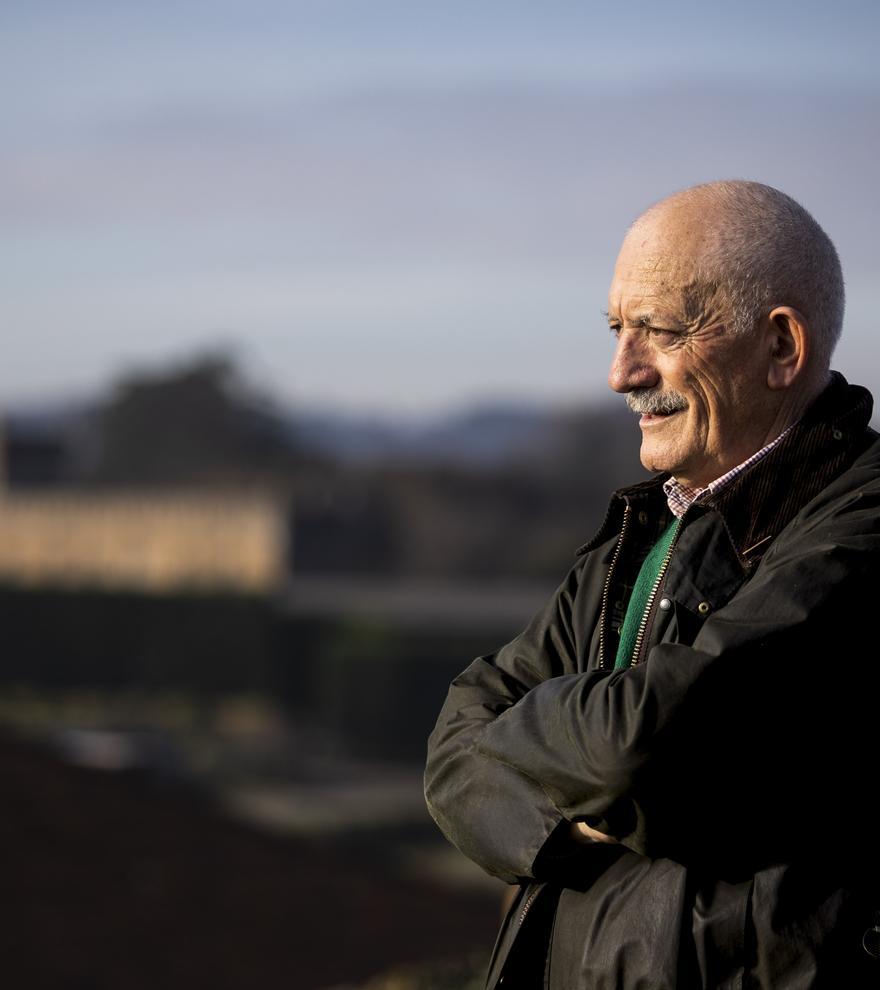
<point>648,319</point>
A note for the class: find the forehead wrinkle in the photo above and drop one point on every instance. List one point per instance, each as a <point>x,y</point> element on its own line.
<point>656,271</point>
<point>649,279</point>
<point>654,264</point>
<point>640,295</point>
<point>644,305</point>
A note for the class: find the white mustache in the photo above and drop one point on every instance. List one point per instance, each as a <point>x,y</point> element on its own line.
<point>647,401</point>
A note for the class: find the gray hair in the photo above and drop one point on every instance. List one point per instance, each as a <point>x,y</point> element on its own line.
<point>767,251</point>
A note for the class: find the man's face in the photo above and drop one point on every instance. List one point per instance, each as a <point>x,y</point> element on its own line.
<point>702,391</point>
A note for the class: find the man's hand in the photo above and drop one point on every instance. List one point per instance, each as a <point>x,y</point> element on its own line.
<point>581,832</point>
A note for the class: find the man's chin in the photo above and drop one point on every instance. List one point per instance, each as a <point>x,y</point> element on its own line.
<point>657,457</point>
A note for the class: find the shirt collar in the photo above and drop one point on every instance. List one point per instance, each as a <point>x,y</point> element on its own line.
<point>680,497</point>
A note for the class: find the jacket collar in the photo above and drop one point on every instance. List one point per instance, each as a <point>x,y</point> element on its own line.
<point>765,498</point>
<point>760,502</point>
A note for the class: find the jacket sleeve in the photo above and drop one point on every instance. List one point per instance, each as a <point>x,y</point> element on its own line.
<point>497,813</point>
<point>777,686</point>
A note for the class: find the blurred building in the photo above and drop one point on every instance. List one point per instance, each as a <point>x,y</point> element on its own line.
<point>150,540</point>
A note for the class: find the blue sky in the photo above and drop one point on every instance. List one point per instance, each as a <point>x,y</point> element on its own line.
<point>393,206</point>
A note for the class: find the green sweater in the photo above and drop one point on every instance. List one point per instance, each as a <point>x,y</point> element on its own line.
<point>635,609</point>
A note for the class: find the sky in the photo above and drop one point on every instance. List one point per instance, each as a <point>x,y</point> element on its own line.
<point>392,207</point>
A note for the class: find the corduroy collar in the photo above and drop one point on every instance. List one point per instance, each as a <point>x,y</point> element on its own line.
<point>764,499</point>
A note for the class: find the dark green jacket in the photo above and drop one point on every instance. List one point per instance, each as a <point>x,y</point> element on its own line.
<point>736,760</point>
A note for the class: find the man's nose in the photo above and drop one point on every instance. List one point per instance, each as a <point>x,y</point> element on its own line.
<point>631,366</point>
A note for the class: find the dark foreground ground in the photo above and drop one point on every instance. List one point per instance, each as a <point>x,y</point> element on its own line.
<point>110,882</point>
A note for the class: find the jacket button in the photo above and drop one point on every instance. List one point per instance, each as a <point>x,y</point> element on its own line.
<point>837,434</point>
<point>704,608</point>
<point>871,941</point>
<point>665,604</point>
<point>643,517</point>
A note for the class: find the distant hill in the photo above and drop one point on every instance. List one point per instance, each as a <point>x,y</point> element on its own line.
<point>47,444</point>
<point>54,442</point>
<point>484,436</point>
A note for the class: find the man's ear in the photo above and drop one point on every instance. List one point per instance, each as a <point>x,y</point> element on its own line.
<point>789,346</point>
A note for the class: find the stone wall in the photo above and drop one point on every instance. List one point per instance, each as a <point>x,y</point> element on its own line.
<point>148,542</point>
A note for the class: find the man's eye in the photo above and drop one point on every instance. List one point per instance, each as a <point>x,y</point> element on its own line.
<point>615,329</point>
<point>663,335</point>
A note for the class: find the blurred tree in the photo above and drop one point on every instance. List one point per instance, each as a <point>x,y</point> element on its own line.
<point>196,424</point>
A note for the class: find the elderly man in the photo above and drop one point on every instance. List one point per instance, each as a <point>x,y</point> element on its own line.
<point>677,759</point>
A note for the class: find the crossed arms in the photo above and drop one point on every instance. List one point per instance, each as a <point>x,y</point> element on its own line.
<point>527,741</point>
